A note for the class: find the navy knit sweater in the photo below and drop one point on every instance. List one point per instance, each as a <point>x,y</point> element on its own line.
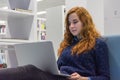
<point>93,64</point>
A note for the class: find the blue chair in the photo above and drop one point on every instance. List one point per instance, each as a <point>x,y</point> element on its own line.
<point>113,43</point>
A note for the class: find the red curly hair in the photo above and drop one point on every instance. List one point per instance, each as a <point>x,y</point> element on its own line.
<point>88,33</point>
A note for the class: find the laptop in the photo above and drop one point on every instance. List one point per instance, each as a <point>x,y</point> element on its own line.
<point>39,54</point>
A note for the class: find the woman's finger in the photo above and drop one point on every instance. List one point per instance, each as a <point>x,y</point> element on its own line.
<point>73,74</point>
<point>73,78</point>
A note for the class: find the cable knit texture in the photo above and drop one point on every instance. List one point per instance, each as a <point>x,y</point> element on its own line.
<point>93,64</point>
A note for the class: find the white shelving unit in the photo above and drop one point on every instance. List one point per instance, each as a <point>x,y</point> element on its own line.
<point>4,14</point>
<point>13,41</point>
<point>21,27</point>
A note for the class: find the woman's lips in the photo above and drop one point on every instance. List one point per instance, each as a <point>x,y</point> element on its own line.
<point>74,30</point>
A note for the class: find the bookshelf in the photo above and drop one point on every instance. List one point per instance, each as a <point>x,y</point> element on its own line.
<point>41,29</point>
<point>20,27</point>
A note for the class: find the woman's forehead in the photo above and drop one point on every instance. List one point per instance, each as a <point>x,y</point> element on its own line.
<point>73,17</point>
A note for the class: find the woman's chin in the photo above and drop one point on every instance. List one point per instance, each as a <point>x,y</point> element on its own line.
<point>74,34</point>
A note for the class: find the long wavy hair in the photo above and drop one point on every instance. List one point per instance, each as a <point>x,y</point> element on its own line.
<point>88,33</point>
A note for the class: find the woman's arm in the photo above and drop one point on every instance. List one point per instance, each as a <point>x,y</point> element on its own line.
<point>102,62</point>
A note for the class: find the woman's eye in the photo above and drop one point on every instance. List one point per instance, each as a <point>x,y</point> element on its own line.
<point>75,22</point>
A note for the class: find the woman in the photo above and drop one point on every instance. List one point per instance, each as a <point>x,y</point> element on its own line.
<point>82,54</point>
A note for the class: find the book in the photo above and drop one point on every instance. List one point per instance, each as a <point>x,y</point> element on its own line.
<point>43,35</point>
<point>2,27</point>
<point>22,10</point>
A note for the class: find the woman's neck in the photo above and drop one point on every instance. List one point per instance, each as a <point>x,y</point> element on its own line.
<point>79,37</point>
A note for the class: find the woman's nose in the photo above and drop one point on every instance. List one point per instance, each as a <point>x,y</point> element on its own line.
<point>71,25</point>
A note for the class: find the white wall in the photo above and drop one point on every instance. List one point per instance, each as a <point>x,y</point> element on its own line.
<point>96,9</point>
<point>55,26</point>
<point>112,17</point>
<point>72,3</point>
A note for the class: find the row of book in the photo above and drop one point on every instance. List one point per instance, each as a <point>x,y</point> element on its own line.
<point>22,10</point>
<point>2,29</point>
<point>2,56</point>
<point>41,33</point>
<point>41,24</point>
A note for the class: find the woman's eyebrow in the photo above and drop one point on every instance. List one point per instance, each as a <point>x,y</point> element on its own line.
<point>74,19</point>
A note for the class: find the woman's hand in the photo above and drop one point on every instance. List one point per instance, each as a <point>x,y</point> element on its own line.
<point>76,76</point>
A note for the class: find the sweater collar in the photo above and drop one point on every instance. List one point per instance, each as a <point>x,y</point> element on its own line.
<point>75,39</point>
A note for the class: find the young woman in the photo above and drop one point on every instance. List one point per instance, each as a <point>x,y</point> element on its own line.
<point>82,54</point>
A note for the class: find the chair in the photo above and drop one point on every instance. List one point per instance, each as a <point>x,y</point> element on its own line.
<point>113,43</point>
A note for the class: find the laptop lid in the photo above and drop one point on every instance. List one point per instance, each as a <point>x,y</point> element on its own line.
<point>39,54</point>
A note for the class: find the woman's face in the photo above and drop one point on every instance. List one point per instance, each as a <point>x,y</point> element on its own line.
<point>75,25</point>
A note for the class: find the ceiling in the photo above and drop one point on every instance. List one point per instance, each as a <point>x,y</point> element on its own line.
<point>45,4</point>
<point>42,5</point>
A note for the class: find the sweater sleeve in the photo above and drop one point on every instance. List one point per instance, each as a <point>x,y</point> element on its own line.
<point>60,62</point>
<point>101,61</point>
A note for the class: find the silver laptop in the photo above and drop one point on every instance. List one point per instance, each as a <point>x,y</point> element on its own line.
<point>39,54</point>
